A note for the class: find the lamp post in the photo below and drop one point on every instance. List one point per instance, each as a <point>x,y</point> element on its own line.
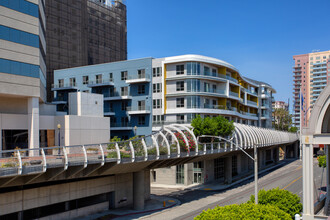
<point>135,128</point>
<point>255,159</point>
<point>59,138</point>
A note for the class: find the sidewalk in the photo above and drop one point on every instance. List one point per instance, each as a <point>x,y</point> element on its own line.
<point>218,186</point>
<point>156,203</point>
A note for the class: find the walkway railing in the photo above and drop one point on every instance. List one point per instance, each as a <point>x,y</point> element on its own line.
<point>172,141</point>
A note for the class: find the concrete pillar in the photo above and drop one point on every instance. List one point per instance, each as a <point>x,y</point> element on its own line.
<point>138,190</point>
<point>33,123</point>
<point>228,170</point>
<point>308,184</point>
<point>188,174</point>
<point>239,163</point>
<point>295,149</point>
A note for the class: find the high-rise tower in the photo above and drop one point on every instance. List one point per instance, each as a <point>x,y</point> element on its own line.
<point>84,32</point>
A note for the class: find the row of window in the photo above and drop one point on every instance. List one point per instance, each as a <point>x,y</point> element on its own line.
<point>22,6</point>
<point>157,71</point>
<point>194,68</point>
<point>19,37</point>
<point>125,121</point>
<point>156,87</point>
<point>157,103</point>
<point>98,78</point>
<point>18,68</point>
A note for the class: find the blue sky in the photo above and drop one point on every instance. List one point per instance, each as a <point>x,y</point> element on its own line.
<point>259,37</point>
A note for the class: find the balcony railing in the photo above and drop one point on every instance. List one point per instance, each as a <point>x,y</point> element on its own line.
<point>121,124</point>
<point>231,93</point>
<point>139,76</point>
<point>60,99</point>
<point>217,91</point>
<point>138,108</point>
<point>215,106</point>
<point>251,102</point>
<point>116,94</point>
<point>100,81</point>
<point>63,85</point>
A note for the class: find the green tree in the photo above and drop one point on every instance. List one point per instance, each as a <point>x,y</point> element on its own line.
<point>283,199</point>
<point>322,161</point>
<point>216,126</point>
<point>283,119</point>
<point>244,211</point>
<point>293,129</point>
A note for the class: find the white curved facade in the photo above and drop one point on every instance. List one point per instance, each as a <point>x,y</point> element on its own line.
<point>189,85</point>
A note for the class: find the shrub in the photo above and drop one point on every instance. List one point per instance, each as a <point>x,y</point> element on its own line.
<point>244,211</point>
<point>322,161</point>
<point>283,199</point>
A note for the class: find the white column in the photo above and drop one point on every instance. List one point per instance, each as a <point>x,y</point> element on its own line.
<point>0,133</point>
<point>33,123</point>
<point>308,197</point>
<point>138,190</point>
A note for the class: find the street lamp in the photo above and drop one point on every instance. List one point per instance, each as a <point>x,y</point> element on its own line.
<point>255,159</point>
<point>59,138</point>
<point>135,128</point>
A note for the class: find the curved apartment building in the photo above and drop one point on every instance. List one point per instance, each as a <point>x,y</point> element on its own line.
<point>189,85</point>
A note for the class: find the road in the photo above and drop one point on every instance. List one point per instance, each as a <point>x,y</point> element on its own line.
<point>288,177</point>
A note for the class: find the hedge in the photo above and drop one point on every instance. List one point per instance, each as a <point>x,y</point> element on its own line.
<point>244,211</point>
<point>283,199</point>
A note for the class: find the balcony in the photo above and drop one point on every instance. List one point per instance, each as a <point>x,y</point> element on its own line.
<point>117,96</point>
<point>121,126</point>
<point>99,83</point>
<point>231,93</point>
<point>64,86</point>
<point>138,110</point>
<point>108,112</point>
<point>252,103</point>
<point>215,106</point>
<point>59,100</point>
<point>140,78</point>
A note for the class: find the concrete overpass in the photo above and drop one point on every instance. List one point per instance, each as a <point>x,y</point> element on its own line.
<point>111,174</point>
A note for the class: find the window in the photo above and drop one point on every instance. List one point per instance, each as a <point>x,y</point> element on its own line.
<point>298,61</point>
<point>61,83</point>
<point>214,88</point>
<point>206,87</point>
<point>72,81</point>
<point>99,78</point>
<point>193,68</point>
<point>124,75</point>
<point>157,71</point>
<point>141,73</point>
<point>110,77</point>
<point>157,87</point>
<point>158,118</point>
<point>180,86</point>
<point>179,69</point>
<point>123,106</point>
<point>206,70</point>
<point>180,118</point>
<point>142,105</point>
<point>180,174</point>
<point>157,103</point>
<point>141,89</point>
<point>180,102</point>
<point>142,120</point>
<point>85,80</point>
<point>124,91</point>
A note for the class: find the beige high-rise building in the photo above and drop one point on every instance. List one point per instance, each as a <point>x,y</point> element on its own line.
<point>311,74</point>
